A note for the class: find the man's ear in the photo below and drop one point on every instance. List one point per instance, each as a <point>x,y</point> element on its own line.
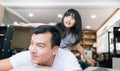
<point>55,49</point>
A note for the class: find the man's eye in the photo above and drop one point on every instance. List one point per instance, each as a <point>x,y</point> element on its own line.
<point>40,46</point>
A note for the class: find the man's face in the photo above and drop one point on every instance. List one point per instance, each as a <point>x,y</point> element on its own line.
<point>41,49</point>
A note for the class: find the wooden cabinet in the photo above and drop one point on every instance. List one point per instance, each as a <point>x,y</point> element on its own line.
<point>88,38</point>
<point>21,43</point>
<point>2,9</point>
<point>2,36</point>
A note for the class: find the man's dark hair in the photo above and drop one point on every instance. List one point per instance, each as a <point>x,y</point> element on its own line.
<point>56,35</point>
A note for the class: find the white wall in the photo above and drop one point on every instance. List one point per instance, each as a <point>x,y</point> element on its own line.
<point>102,37</point>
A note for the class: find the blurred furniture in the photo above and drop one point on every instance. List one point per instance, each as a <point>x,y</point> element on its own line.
<point>116,56</point>
<point>84,65</point>
<point>21,43</point>
<point>99,69</point>
<point>5,41</point>
<point>89,37</point>
<point>104,60</point>
<point>116,63</point>
<point>116,33</point>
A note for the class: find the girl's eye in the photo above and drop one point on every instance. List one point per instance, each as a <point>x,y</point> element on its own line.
<point>73,18</point>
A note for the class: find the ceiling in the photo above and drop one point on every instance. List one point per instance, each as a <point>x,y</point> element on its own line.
<point>46,11</point>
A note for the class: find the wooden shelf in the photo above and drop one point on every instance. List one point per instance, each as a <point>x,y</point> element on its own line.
<point>89,37</point>
<point>75,51</point>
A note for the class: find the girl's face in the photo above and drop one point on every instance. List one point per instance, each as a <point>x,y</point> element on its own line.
<point>69,21</point>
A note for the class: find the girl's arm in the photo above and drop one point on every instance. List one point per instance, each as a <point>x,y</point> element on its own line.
<point>32,24</point>
<point>81,50</point>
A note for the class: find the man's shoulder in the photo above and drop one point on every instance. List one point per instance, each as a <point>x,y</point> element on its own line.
<point>24,53</point>
<point>21,54</point>
<point>63,52</point>
<point>65,60</point>
<point>60,50</point>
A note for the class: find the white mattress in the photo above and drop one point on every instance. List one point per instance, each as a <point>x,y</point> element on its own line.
<point>32,68</point>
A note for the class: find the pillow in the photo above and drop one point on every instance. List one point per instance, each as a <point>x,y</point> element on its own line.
<point>33,68</point>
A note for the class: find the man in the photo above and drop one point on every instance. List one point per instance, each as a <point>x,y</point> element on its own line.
<point>43,50</point>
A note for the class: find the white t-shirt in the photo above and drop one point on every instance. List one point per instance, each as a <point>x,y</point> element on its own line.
<point>64,60</point>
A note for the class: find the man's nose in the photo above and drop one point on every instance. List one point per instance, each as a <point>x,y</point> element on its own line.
<point>33,48</point>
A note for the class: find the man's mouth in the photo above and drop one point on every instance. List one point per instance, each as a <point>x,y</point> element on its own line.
<point>34,56</point>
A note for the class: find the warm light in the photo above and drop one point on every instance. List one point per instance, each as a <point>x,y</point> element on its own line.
<point>60,15</point>
<point>88,27</point>
<point>118,29</point>
<point>93,16</point>
<point>30,15</point>
<point>16,24</point>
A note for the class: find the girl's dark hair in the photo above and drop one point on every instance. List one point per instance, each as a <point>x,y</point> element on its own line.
<point>76,30</point>
<point>56,35</point>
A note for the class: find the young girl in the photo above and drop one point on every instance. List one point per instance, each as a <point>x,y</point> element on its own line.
<point>71,29</point>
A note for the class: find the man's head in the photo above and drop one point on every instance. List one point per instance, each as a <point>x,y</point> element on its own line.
<point>44,44</point>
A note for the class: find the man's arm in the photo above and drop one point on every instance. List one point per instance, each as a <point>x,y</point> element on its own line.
<point>5,65</point>
<point>34,25</point>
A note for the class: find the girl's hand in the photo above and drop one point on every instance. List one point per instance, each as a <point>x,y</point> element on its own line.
<point>91,61</point>
<point>24,25</point>
<point>34,25</point>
